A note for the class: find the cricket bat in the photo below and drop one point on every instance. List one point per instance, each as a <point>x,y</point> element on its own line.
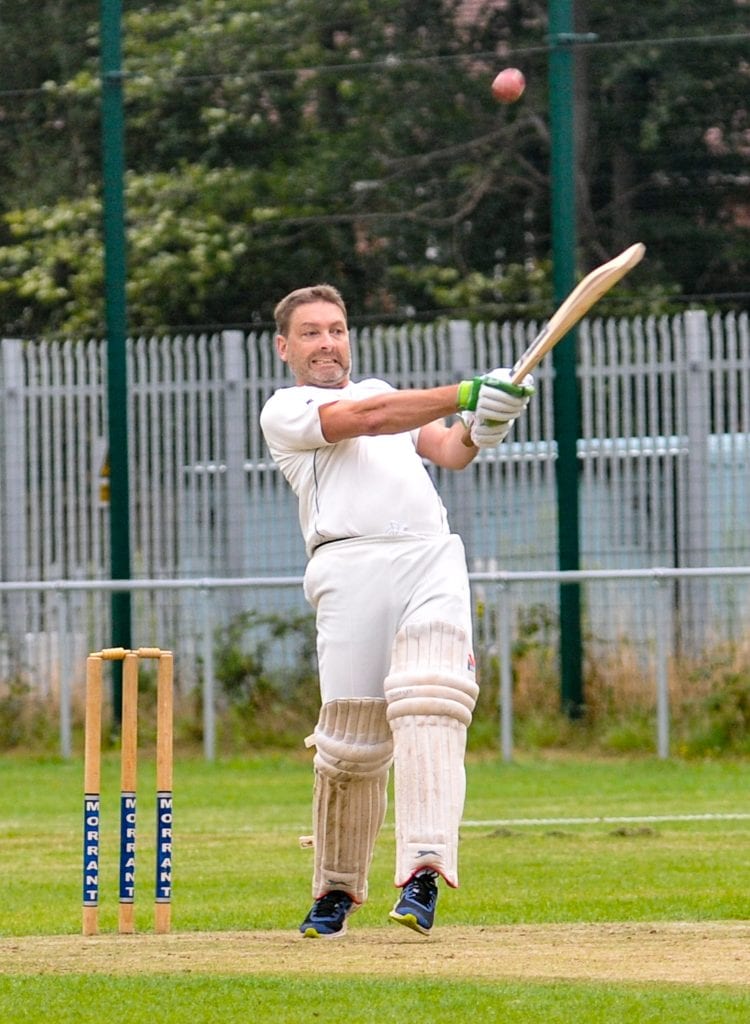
<point>586,293</point>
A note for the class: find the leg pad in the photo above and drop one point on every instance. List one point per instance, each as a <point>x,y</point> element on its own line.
<point>431,693</point>
<point>354,750</point>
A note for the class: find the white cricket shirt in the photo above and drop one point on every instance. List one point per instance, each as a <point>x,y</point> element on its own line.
<point>361,487</point>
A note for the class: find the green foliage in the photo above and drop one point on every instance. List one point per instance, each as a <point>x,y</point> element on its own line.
<point>48,146</point>
<point>709,697</point>
<point>187,238</point>
<point>24,718</point>
<point>265,666</point>
<point>720,718</point>
<point>513,290</point>
<point>665,126</point>
<point>271,145</point>
<point>52,273</point>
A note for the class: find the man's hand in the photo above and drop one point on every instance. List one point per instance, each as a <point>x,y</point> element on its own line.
<point>499,400</point>
<point>497,404</point>
<point>492,396</point>
<point>486,435</point>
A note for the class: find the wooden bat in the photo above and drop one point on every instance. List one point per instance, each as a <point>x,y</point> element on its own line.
<point>586,293</point>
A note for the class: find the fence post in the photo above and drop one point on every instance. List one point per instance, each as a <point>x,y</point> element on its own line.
<point>64,673</point>
<point>461,360</point>
<point>234,449</point>
<point>209,695</point>
<point>695,542</point>
<point>461,349</point>
<point>235,488</point>
<point>663,645</point>
<point>506,671</point>
<point>13,489</point>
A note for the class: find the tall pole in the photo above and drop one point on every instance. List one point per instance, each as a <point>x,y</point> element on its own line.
<point>567,417</point>
<point>113,170</point>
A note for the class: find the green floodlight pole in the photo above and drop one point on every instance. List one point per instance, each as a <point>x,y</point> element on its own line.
<point>564,243</point>
<point>113,165</point>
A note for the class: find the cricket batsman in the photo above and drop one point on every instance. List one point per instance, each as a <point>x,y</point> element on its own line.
<point>389,585</point>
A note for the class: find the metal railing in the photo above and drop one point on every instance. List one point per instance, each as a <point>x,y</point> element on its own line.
<point>498,634</point>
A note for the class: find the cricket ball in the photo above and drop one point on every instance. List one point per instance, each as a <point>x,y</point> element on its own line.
<point>508,85</point>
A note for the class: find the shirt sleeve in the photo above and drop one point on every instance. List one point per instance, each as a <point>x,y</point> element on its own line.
<point>290,420</point>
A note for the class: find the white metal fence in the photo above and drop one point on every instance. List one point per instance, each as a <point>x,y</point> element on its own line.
<point>663,453</point>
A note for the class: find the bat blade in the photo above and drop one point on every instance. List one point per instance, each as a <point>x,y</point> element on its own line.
<point>586,293</point>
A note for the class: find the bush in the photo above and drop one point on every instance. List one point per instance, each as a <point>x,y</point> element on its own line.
<point>25,720</point>
<point>267,670</point>
<point>709,697</point>
<point>717,718</point>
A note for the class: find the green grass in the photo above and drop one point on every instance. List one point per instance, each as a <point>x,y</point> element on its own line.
<point>84,1000</point>
<point>238,866</point>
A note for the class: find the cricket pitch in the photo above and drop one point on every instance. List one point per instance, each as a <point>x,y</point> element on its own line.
<point>707,953</point>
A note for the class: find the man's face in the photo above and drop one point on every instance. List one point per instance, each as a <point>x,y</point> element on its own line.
<point>316,346</point>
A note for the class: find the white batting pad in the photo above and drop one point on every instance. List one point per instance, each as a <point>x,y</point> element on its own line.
<point>431,693</point>
<point>354,750</point>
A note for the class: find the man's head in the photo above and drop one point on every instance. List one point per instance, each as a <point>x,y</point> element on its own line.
<point>299,297</point>
<point>313,337</point>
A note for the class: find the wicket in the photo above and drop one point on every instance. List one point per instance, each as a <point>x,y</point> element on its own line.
<point>128,772</point>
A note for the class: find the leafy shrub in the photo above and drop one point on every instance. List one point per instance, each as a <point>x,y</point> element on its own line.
<point>267,670</point>
<point>24,719</point>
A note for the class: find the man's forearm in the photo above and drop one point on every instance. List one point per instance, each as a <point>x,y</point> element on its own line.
<point>446,447</point>
<point>393,412</point>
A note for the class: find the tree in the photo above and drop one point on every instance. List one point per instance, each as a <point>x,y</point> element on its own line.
<point>349,169</point>
<point>273,143</point>
<point>47,143</point>
<point>666,146</point>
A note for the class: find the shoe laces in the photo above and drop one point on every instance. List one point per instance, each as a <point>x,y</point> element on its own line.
<point>331,901</point>
<point>422,887</point>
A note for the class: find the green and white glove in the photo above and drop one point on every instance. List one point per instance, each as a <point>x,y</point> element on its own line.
<point>496,402</point>
<point>492,396</point>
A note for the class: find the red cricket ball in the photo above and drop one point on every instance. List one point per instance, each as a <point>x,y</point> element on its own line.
<point>508,85</point>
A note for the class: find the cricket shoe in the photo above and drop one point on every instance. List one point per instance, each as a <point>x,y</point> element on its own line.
<point>416,906</point>
<point>328,915</point>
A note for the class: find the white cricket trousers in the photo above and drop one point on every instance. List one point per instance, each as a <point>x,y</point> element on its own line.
<point>364,591</point>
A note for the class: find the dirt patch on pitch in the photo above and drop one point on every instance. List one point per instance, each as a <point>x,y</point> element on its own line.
<point>714,953</point>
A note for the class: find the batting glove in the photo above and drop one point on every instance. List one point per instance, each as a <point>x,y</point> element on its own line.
<point>489,435</point>
<point>499,400</point>
<point>492,396</point>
